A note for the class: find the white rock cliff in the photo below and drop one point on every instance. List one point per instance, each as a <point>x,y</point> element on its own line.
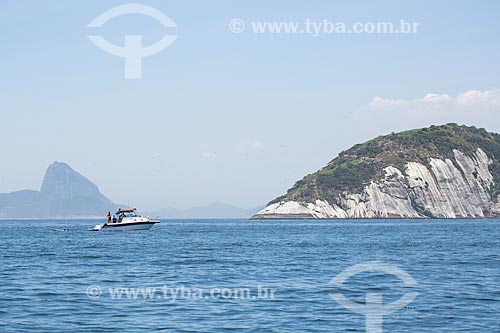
<point>446,189</point>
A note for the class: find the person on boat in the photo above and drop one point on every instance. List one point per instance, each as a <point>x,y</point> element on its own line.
<point>109,217</point>
<point>114,218</point>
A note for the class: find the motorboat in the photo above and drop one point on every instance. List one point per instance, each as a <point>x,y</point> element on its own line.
<point>127,220</point>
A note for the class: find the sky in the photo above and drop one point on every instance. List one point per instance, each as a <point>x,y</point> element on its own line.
<point>224,116</point>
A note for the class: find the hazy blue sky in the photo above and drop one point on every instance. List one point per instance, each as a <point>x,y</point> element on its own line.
<point>231,117</point>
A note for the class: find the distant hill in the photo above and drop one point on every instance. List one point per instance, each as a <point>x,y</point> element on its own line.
<point>214,210</point>
<point>447,171</point>
<point>64,193</point>
<point>67,194</point>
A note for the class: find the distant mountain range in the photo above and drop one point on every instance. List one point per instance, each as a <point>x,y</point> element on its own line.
<point>215,210</point>
<point>64,193</point>
<point>67,194</point>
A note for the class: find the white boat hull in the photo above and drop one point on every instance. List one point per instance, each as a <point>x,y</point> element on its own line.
<point>128,226</point>
<point>132,226</point>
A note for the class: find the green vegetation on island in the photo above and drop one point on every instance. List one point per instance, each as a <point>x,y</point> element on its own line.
<point>356,167</point>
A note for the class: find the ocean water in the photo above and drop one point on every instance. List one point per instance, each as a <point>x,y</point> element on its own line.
<point>248,276</point>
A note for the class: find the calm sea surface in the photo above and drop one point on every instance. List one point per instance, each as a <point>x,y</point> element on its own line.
<point>246,276</point>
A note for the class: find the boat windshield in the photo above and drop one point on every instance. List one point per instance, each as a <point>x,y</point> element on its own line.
<point>129,214</point>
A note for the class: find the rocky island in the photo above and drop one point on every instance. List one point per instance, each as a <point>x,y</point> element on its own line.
<point>447,171</point>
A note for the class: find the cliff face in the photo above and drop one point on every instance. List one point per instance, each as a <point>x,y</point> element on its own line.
<point>423,181</point>
<point>62,182</point>
<point>71,194</point>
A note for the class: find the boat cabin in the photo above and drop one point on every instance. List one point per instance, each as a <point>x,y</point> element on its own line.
<point>126,212</point>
